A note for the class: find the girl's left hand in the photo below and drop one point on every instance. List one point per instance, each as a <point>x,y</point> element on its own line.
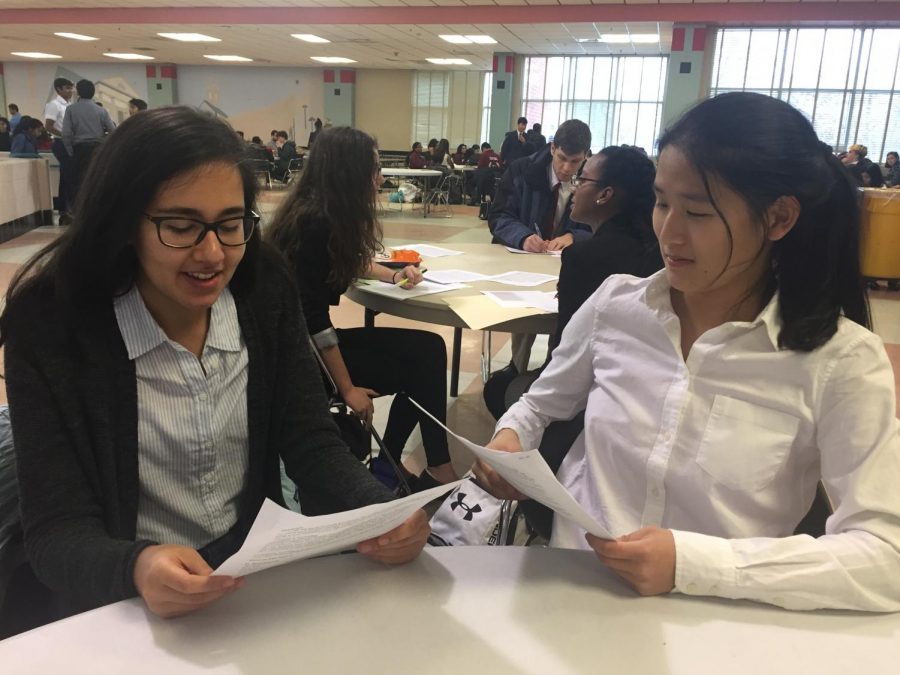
<point>412,274</point>
<point>645,559</point>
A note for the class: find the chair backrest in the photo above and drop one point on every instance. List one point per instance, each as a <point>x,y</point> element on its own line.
<point>295,164</point>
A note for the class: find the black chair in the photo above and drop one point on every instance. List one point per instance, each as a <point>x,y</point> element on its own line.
<point>353,430</point>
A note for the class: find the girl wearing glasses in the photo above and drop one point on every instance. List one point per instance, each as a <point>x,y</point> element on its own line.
<point>151,411</point>
<point>721,390</point>
<point>329,232</point>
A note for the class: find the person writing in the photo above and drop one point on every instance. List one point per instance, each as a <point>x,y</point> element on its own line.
<point>720,391</point>
<point>151,414</point>
<point>328,230</point>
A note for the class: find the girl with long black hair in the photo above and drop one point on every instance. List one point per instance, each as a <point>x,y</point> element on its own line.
<point>329,232</point>
<point>158,368</point>
<point>721,390</point>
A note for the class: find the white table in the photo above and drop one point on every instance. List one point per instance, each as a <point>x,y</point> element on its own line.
<point>485,258</point>
<point>458,610</point>
<point>425,174</point>
<point>26,193</point>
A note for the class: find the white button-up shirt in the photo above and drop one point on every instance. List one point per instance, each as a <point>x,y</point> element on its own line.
<point>56,110</point>
<point>726,448</point>
<point>562,199</point>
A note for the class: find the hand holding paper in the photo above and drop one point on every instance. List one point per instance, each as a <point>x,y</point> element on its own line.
<point>528,473</point>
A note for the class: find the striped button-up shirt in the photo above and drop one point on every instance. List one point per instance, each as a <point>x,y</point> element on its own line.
<point>192,424</point>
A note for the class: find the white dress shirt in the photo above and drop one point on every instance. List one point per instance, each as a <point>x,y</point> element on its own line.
<point>726,448</point>
<point>562,199</point>
<point>56,110</point>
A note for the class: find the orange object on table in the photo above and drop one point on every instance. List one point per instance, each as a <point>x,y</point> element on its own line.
<point>405,255</point>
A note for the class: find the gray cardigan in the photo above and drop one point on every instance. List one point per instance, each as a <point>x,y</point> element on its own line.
<point>73,404</point>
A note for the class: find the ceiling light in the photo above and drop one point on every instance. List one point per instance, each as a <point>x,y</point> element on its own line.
<point>456,39</point>
<point>616,38</point>
<point>128,57</point>
<point>309,37</point>
<point>332,59</point>
<point>225,57</point>
<point>482,39</point>
<point>189,37</point>
<point>76,36</point>
<point>644,38</point>
<point>36,55</point>
<point>449,62</point>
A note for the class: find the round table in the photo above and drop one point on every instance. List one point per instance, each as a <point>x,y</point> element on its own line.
<point>457,610</point>
<point>484,258</point>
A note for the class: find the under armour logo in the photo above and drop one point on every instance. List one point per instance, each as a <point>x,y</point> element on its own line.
<point>470,510</point>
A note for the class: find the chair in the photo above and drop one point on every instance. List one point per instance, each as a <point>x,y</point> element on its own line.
<point>294,167</point>
<point>441,194</point>
<point>353,429</point>
<point>262,168</point>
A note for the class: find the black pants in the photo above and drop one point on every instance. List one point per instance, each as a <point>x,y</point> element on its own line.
<point>400,360</point>
<point>81,161</point>
<point>65,197</point>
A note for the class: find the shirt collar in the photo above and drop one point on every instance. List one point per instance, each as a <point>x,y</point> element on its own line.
<point>63,102</point>
<point>658,299</point>
<point>141,333</point>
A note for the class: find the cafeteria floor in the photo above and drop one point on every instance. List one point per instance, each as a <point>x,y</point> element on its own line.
<point>466,413</point>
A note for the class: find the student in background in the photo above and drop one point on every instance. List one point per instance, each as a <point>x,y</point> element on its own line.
<point>415,159</point>
<point>285,151</point>
<point>54,114</point>
<point>534,138</point>
<point>719,391</point>
<point>459,157</point>
<point>5,135</point>
<point>892,170</point>
<point>24,141</point>
<point>14,117</point>
<point>329,232</point>
<point>85,125</point>
<point>440,156</point>
<point>514,143</point>
<point>135,106</point>
<point>151,414</point>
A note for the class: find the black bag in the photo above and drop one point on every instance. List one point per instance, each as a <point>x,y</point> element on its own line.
<point>483,210</point>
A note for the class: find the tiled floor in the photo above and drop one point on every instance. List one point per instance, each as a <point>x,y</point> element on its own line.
<point>466,412</point>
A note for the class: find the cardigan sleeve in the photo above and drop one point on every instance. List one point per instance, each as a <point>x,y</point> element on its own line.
<point>68,545</point>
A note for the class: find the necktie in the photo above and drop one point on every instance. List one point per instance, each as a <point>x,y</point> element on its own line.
<point>549,221</point>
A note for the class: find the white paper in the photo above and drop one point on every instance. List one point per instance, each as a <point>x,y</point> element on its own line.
<point>280,536</point>
<point>518,250</point>
<point>523,278</point>
<point>400,293</point>
<point>529,473</point>
<point>545,300</point>
<point>454,276</point>
<point>429,250</point>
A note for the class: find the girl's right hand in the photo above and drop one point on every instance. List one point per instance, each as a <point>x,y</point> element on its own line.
<point>506,440</point>
<point>359,400</point>
<point>175,580</point>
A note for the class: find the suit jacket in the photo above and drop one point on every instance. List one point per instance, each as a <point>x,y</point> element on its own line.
<point>511,150</point>
<point>74,411</point>
<point>524,198</point>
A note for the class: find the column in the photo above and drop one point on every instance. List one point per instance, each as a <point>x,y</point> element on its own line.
<point>339,96</point>
<point>161,85</point>
<point>3,111</point>
<point>502,113</point>
<point>689,70</point>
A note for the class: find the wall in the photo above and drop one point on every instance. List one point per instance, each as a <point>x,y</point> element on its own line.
<point>30,85</point>
<point>383,106</point>
<point>255,100</point>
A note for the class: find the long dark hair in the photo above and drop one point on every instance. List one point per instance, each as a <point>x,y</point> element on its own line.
<point>631,172</point>
<point>763,149</point>
<point>95,259</point>
<point>335,186</point>
<point>443,148</point>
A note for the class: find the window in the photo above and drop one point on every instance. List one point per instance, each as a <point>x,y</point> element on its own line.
<point>845,80</point>
<point>618,97</point>
<point>486,106</point>
<point>430,96</point>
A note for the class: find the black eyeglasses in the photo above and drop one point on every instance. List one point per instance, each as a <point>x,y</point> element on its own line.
<point>182,232</point>
<point>577,181</point>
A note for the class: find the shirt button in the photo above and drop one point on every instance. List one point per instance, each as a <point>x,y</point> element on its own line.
<point>203,397</point>
<point>714,590</point>
<point>692,587</point>
<point>655,492</point>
